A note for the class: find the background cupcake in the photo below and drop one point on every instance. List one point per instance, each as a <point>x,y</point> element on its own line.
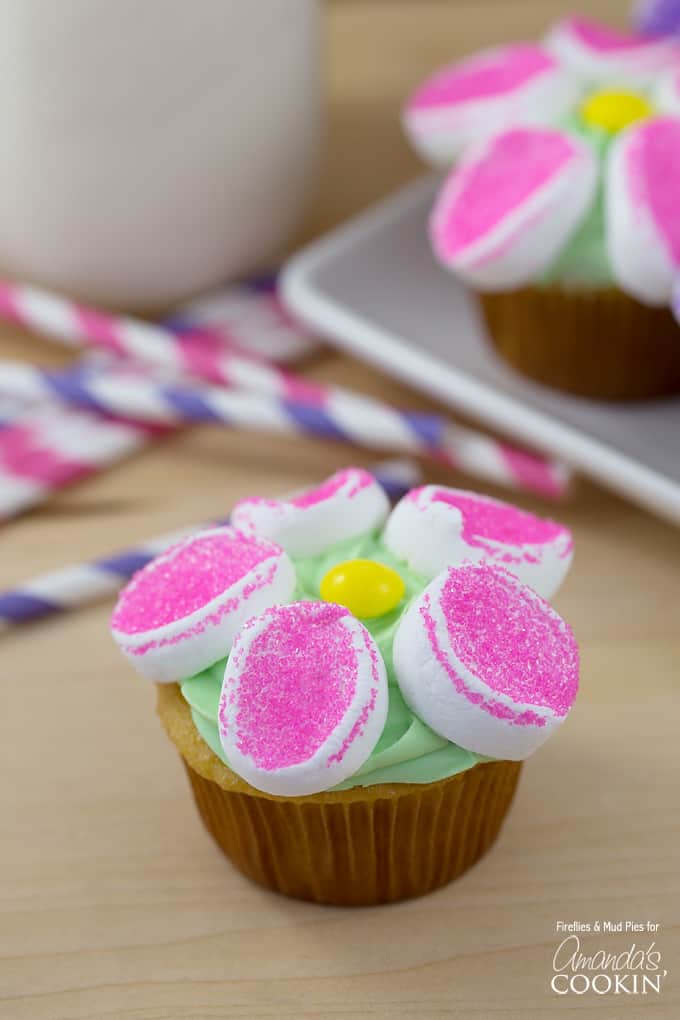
<point>563,206</point>
<point>357,688</point>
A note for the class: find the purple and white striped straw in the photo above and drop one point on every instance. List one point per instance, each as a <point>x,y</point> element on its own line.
<point>299,403</point>
<point>83,584</point>
<point>126,394</point>
<point>43,449</point>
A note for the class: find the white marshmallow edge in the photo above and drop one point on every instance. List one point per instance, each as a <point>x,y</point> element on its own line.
<point>436,526</point>
<point>348,504</point>
<point>516,235</point>
<point>493,691</point>
<point>643,185</point>
<point>304,699</point>
<point>185,643</point>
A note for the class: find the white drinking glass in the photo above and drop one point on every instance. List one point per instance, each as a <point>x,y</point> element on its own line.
<point>153,148</point>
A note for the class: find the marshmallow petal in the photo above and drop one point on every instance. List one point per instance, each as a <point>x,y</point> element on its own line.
<point>477,97</point>
<point>347,504</point>
<point>504,214</point>
<point>667,93</point>
<point>181,613</point>
<point>434,527</point>
<point>643,209</point>
<point>485,662</point>
<point>600,54</point>
<point>304,699</point>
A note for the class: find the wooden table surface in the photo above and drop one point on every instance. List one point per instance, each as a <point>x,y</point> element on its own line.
<point>115,903</point>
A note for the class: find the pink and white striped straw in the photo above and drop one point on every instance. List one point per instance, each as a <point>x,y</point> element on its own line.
<point>81,584</point>
<point>247,318</point>
<point>329,410</point>
<point>123,393</point>
<point>46,448</point>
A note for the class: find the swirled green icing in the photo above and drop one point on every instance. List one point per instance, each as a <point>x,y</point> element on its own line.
<point>408,751</point>
<point>584,262</point>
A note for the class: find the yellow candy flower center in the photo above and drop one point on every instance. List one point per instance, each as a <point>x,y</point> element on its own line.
<point>612,111</point>
<point>366,588</point>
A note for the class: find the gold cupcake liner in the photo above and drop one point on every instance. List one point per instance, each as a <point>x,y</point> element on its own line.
<point>366,845</point>
<point>351,853</point>
<point>600,344</point>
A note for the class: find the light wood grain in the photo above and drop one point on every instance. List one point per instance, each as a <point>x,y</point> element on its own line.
<point>115,904</point>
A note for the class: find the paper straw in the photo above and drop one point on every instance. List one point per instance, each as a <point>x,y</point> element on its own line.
<point>304,405</point>
<point>10,407</point>
<point>125,394</point>
<point>82,584</point>
<point>44,449</point>
<point>34,463</point>
<point>247,318</point>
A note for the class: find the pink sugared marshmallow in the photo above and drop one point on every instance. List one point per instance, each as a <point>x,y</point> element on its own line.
<point>486,662</point>
<point>667,92</point>
<point>643,209</point>
<point>434,527</point>
<point>516,84</point>
<point>180,613</point>
<point>505,212</point>
<point>600,54</point>
<point>347,504</point>
<point>304,699</point>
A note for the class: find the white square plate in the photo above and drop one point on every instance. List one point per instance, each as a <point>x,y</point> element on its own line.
<point>374,288</point>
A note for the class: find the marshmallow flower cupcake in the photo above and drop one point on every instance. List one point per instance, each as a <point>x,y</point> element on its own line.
<point>562,209</point>
<point>353,690</point>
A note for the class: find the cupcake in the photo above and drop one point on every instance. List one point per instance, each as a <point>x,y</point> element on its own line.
<point>562,210</point>
<point>352,691</point>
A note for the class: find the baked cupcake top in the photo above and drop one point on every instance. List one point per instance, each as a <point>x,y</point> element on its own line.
<point>566,162</point>
<point>324,642</point>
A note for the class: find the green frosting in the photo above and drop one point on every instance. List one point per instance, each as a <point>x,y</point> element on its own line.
<point>408,751</point>
<point>584,261</point>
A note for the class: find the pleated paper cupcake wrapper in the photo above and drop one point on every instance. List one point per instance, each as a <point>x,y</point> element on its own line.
<point>392,845</point>
<point>600,343</point>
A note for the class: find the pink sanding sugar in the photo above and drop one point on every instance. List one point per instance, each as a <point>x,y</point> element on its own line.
<point>484,518</point>
<point>186,578</point>
<point>295,685</point>
<point>483,77</point>
<point>312,497</point>
<point>260,580</point>
<point>369,706</point>
<point>605,38</point>
<point>654,169</point>
<point>361,479</point>
<point>480,195</point>
<point>509,638</point>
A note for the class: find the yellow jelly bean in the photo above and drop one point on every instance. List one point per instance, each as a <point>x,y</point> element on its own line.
<point>366,588</point>
<point>612,111</point>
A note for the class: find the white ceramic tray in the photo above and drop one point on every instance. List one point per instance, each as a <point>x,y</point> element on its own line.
<point>373,288</point>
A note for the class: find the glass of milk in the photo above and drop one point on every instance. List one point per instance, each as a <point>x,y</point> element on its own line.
<point>153,148</point>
